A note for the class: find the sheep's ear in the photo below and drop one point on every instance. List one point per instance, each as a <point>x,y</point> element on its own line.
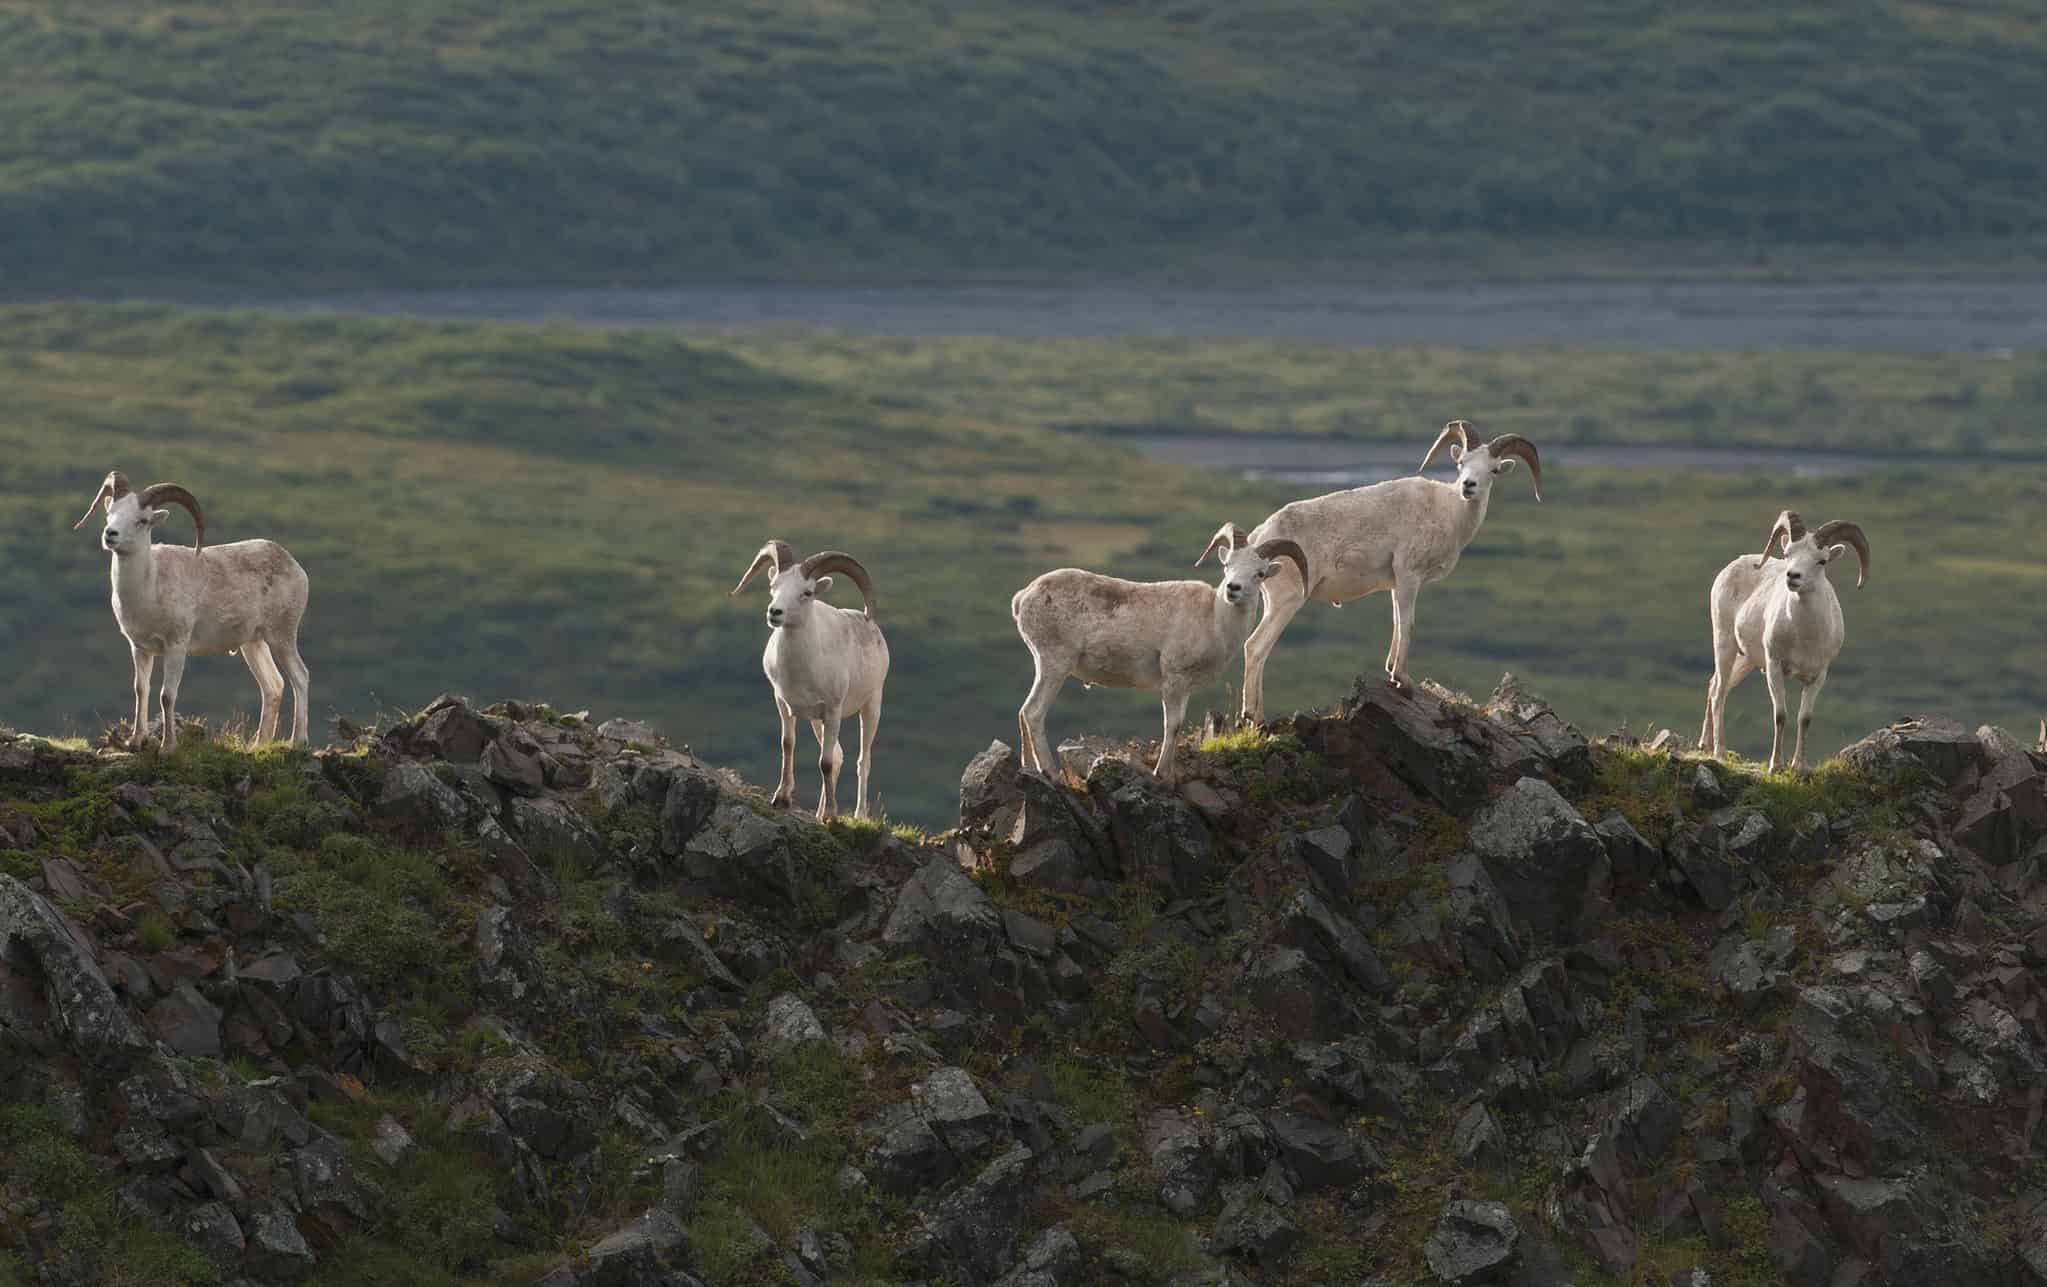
<point>1268,570</point>
<point>1506,466</point>
<point>1835,552</point>
<point>155,516</point>
<point>1456,453</point>
<point>823,583</point>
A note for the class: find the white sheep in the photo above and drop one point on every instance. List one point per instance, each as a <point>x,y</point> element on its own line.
<point>1786,620</point>
<point>1397,535</point>
<point>246,598</point>
<point>1169,636</point>
<point>824,663</point>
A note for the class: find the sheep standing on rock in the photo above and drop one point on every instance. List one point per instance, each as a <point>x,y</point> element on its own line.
<point>1169,636</point>
<point>248,597</point>
<point>1786,619</point>
<point>1397,536</point>
<point>824,662</point>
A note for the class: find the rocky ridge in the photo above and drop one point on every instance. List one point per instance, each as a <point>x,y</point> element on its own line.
<point>1417,990</point>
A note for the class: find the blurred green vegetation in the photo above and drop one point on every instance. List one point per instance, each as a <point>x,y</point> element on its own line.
<point>1902,403</point>
<point>556,513</point>
<point>459,140</point>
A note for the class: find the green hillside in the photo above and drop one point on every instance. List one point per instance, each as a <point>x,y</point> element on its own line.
<point>1897,403</point>
<point>557,513</point>
<point>537,139</point>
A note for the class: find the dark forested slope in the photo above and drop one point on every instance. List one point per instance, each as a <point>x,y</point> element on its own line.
<point>539,139</point>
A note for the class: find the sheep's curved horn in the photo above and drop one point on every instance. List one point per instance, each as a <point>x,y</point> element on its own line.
<point>150,496</point>
<point>114,485</point>
<point>1513,444</point>
<point>1281,548</point>
<point>1841,530</point>
<point>839,561</point>
<point>1459,429</point>
<point>775,554</point>
<point>1790,526</point>
<point>1228,534</point>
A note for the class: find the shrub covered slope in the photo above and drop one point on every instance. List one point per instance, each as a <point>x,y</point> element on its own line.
<point>539,140</point>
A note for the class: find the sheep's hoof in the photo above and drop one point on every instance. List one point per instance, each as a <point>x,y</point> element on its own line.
<point>778,802</point>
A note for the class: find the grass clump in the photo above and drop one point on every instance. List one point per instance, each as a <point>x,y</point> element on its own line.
<point>1642,785</point>
<point>1247,748</point>
<point>379,908</point>
<point>107,1246</point>
<point>1146,1235</point>
<point>41,1156</point>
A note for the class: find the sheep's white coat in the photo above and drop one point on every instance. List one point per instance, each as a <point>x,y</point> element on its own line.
<point>1171,637</point>
<point>247,597</point>
<point>824,664</point>
<point>1396,536</point>
<point>1761,621</point>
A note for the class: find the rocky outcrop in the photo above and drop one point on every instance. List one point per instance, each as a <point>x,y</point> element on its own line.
<point>494,983</point>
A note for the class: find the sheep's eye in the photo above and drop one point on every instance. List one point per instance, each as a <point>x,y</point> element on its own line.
<point>808,593</point>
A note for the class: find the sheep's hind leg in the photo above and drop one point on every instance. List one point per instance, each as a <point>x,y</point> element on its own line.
<point>1284,596</point>
<point>1729,669</point>
<point>1051,676</point>
<point>145,667</point>
<point>256,654</point>
<point>870,719</point>
<point>828,761</point>
<point>301,677</point>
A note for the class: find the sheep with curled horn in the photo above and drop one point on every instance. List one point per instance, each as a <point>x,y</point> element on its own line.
<point>1172,637</point>
<point>824,663</point>
<point>171,602</point>
<point>1396,536</point>
<point>1784,619</point>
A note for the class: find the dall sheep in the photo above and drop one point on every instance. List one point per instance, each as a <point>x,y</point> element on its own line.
<point>1785,620</point>
<point>1397,535</point>
<point>246,598</point>
<point>824,663</point>
<point>1169,636</point>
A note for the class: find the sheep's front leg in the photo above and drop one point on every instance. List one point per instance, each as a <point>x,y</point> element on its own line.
<point>1173,704</point>
<point>1404,591</point>
<point>1284,596</point>
<point>828,759</point>
<point>1806,701</point>
<point>145,667</point>
<point>1774,675</point>
<point>173,675</point>
<point>785,784</point>
<point>870,719</point>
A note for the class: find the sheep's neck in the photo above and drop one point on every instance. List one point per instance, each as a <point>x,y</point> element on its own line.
<point>1470,515</point>
<point>135,574</point>
<point>1234,618</point>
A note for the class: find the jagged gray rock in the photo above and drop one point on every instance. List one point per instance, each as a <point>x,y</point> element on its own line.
<point>1546,860</point>
<point>70,997</point>
<point>1474,1242</point>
